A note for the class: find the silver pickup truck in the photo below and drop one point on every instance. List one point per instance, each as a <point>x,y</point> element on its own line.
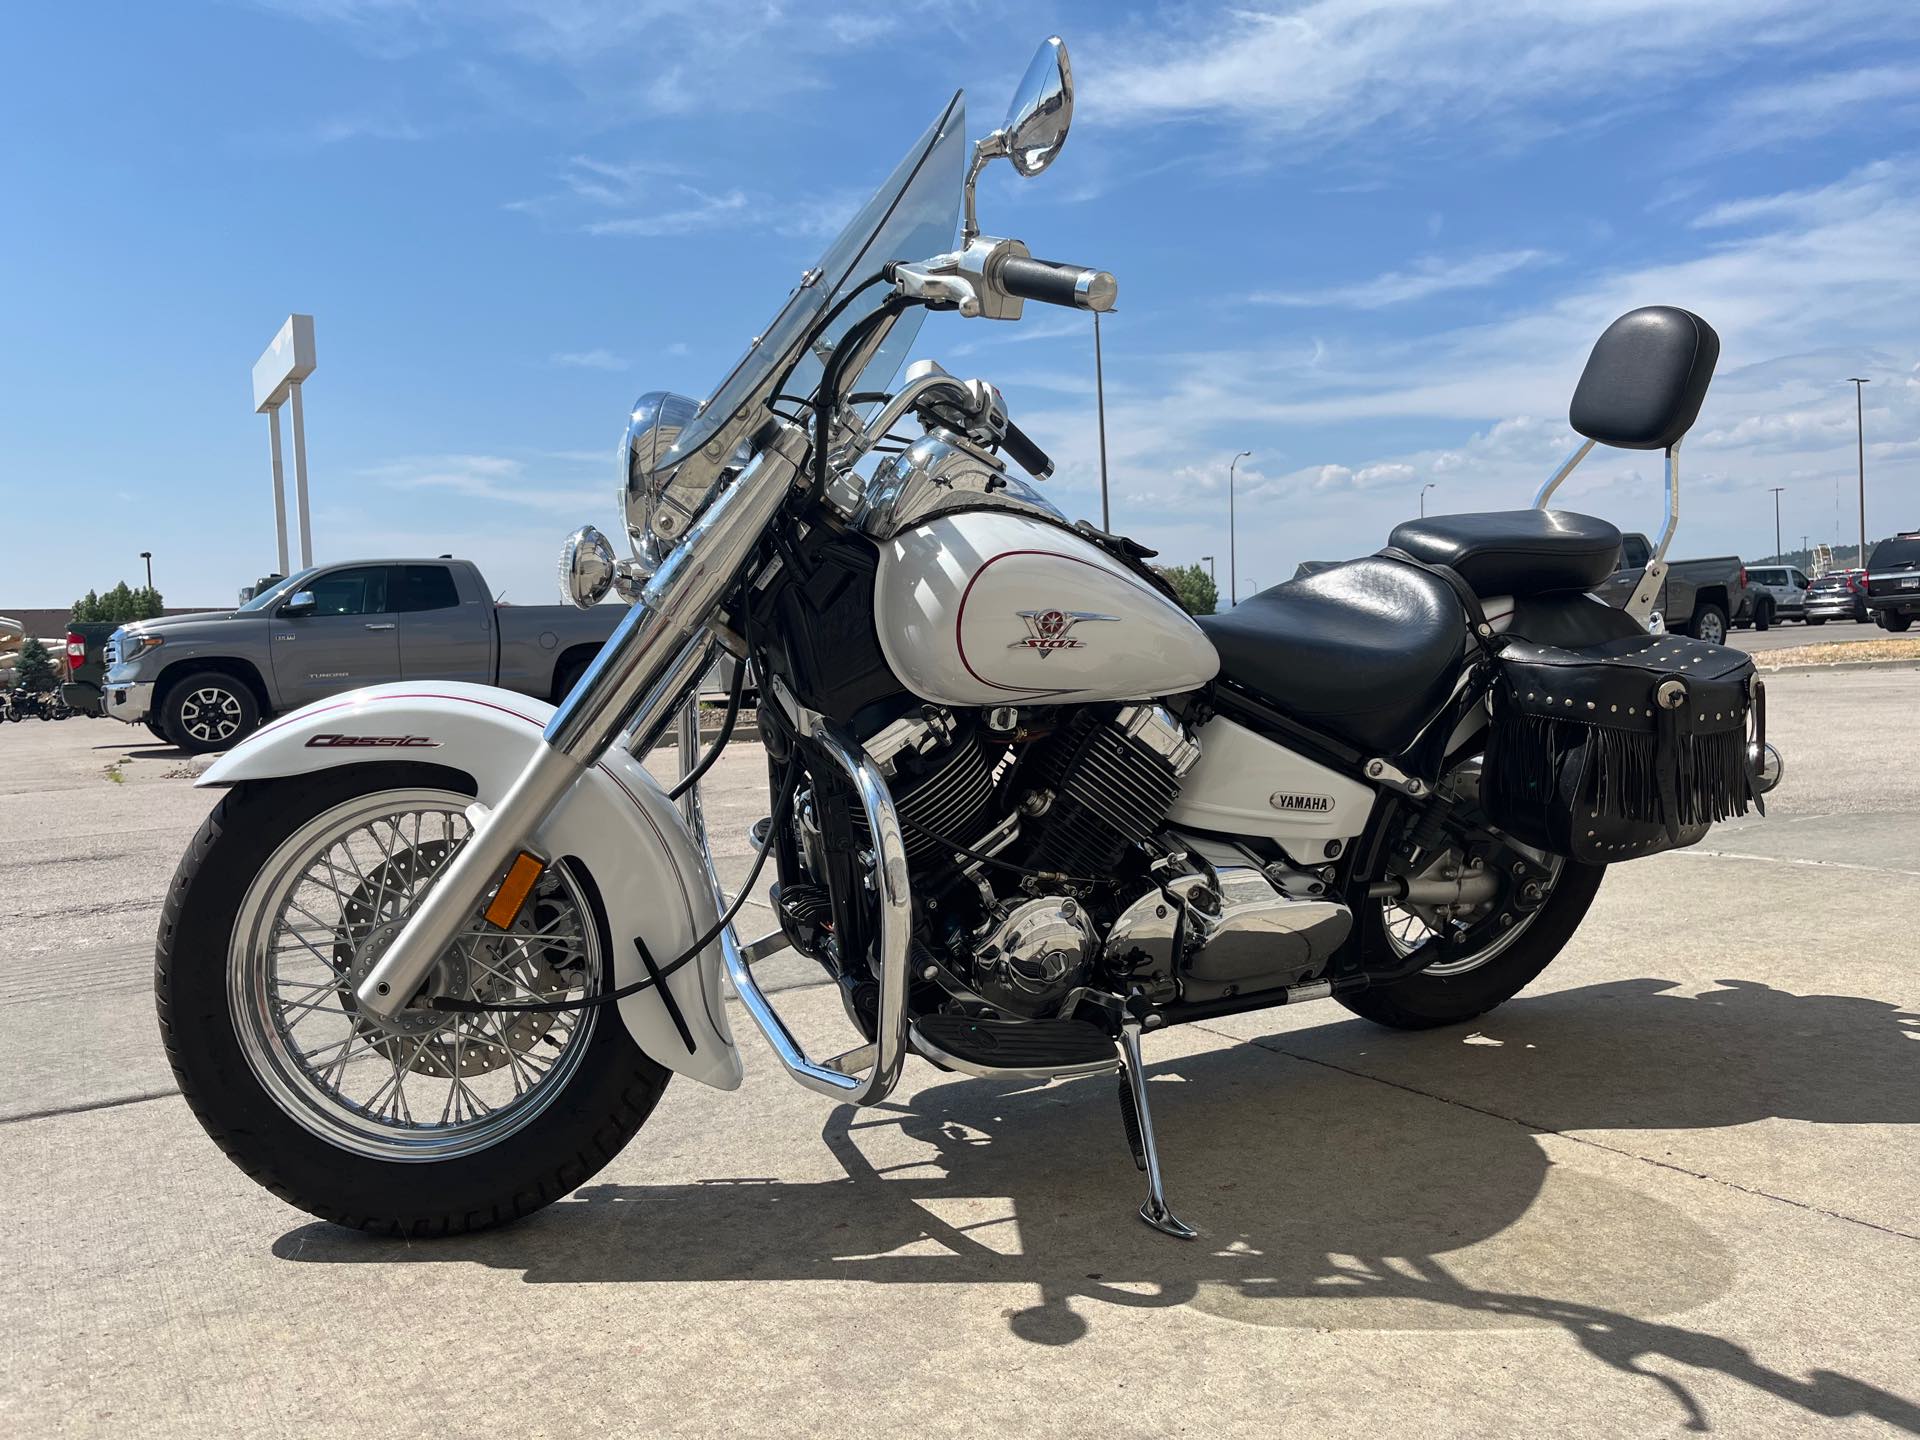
<point>205,682</point>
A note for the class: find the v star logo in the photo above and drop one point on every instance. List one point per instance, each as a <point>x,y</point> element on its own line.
<point>1047,630</point>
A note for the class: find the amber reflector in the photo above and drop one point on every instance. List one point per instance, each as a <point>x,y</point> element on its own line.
<point>512,894</point>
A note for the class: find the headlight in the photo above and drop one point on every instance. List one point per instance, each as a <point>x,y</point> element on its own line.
<point>658,511</point>
<point>586,568</point>
<point>133,646</point>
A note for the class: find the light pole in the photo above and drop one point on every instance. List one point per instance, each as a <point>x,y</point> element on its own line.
<point>1778,553</point>
<point>1233,572</point>
<point>1100,401</point>
<point>1430,485</point>
<point>1860,443</point>
<point>1207,560</point>
<point>147,555</point>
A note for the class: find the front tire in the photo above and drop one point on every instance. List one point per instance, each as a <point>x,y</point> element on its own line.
<point>209,711</point>
<point>1460,989</point>
<point>252,977</point>
<point>1897,624</point>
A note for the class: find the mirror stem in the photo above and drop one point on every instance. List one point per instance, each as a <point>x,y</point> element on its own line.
<point>988,147</point>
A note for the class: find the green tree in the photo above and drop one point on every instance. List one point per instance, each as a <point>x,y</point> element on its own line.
<point>86,608</point>
<point>119,604</point>
<point>149,604</point>
<point>34,670</point>
<point>1198,594</point>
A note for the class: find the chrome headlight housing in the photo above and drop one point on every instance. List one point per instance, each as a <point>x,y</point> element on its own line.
<point>587,568</point>
<point>657,510</point>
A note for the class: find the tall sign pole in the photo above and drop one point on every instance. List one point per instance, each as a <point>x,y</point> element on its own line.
<point>1778,553</point>
<point>1860,443</point>
<point>276,380</point>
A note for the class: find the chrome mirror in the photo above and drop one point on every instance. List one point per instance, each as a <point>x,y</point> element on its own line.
<point>1042,109</point>
<point>302,603</point>
<point>1035,130</point>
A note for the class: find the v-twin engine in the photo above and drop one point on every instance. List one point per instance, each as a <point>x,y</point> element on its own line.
<point>1041,855</point>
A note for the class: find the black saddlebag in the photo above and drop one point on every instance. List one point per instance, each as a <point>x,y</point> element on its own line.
<point>1620,749</point>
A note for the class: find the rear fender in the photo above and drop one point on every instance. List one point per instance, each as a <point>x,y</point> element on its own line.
<point>616,822</point>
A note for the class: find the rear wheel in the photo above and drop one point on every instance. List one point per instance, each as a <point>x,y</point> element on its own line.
<point>1459,987</point>
<point>1895,623</point>
<point>431,1124</point>
<point>1763,615</point>
<point>1709,624</point>
<point>1816,619</point>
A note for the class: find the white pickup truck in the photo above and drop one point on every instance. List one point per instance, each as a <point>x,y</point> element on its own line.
<point>205,682</point>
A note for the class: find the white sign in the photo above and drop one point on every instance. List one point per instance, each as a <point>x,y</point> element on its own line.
<point>286,362</point>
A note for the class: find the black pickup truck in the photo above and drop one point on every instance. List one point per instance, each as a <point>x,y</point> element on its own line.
<point>1893,581</point>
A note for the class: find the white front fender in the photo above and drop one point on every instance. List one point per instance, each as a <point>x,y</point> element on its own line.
<point>616,822</point>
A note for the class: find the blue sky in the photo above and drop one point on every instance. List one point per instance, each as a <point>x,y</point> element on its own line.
<point>1369,241</point>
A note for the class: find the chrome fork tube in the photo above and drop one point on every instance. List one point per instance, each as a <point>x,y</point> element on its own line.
<point>649,645</point>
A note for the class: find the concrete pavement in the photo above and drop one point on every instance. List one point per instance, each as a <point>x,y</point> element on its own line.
<point>1671,1187</point>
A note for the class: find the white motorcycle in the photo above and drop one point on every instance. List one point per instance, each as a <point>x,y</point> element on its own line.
<point>433,957</point>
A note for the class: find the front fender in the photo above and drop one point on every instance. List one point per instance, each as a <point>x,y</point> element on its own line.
<point>616,822</point>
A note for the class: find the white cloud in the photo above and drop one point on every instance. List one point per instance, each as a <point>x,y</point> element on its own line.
<point>705,212</point>
<point>1427,276</point>
<point>1336,66</point>
<point>498,479</point>
<point>588,360</point>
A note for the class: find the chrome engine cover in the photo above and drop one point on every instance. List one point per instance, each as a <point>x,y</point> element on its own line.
<point>1033,954</point>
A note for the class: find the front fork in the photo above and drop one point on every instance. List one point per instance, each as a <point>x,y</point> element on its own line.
<point>635,682</point>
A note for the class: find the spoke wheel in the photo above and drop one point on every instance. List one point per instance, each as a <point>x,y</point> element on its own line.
<point>427,1085</point>
<point>1408,928</point>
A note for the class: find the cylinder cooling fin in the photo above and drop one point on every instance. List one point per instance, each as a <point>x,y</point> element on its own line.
<point>1112,776</point>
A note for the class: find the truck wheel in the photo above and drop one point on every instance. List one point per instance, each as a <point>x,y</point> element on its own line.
<point>1709,623</point>
<point>1893,622</point>
<point>208,712</point>
<point>155,729</point>
<point>1762,615</point>
<point>1816,619</point>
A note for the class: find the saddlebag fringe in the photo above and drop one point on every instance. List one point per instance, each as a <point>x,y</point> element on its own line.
<point>1626,749</point>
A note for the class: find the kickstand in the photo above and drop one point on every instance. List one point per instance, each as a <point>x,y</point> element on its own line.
<point>1139,1122</point>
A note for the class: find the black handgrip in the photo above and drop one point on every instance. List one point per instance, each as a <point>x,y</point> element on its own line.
<point>1051,283</point>
<point>1024,453</point>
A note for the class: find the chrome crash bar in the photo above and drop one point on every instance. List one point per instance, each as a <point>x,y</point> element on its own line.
<point>839,1077</point>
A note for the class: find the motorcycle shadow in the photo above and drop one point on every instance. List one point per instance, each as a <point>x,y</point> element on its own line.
<point>1325,1200</point>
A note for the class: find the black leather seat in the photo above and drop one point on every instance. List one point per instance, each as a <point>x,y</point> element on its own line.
<point>1515,552</point>
<point>1367,650</point>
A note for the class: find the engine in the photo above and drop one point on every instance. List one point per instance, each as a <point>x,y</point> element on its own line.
<point>1013,824</point>
<point>1041,865</point>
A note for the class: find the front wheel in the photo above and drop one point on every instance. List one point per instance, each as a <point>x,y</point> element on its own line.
<point>1460,987</point>
<point>208,712</point>
<point>432,1124</point>
<point>1816,619</point>
<point>1896,623</point>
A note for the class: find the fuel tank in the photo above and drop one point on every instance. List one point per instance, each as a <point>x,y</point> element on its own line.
<point>991,607</point>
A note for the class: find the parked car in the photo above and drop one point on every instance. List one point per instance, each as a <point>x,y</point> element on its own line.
<point>1893,581</point>
<point>1699,597</point>
<point>86,666</point>
<point>204,682</point>
<point>1781,588</point>
<point>1838,595</point>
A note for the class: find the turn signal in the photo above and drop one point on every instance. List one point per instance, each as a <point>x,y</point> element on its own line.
<point>511,897</point>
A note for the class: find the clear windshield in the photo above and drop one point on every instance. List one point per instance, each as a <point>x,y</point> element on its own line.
<point>911,217</point>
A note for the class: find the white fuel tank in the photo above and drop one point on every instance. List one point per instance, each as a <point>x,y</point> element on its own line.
<point>990,607</point>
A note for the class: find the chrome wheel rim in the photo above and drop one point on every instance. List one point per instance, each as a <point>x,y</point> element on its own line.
<point>211,714</point>
<point>1712,630</point>
<point>430,1085</point>
<point>1407,931</point>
